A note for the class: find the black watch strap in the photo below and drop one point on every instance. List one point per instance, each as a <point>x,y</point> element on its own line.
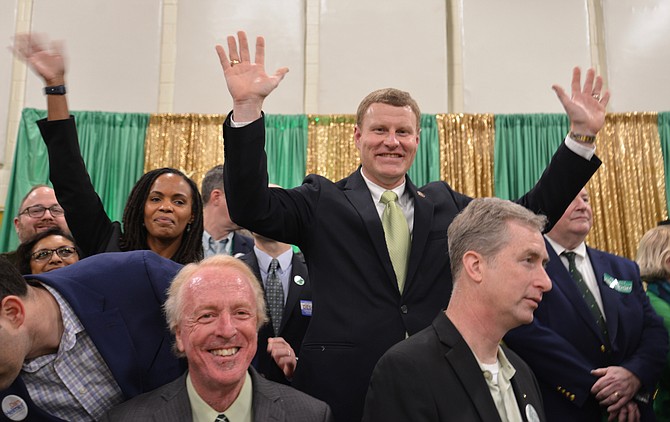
<point>55,90</point>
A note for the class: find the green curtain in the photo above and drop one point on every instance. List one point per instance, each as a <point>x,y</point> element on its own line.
<point>112,145</point>
<point>664,134</point>
<point>286,147</point>
<point>524,146</point>
<point>426,167</point>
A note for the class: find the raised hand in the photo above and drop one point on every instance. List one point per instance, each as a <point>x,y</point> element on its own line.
<point>586,105</point>
<point>46,62</point>
<point>247,82</point>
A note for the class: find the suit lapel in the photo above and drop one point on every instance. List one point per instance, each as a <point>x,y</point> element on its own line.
<point>608,295</point>
<point>358,194</point>
<point>463,363</point>
<point>423,221</point>
<point>562,281</point>
<point>177,405</point>
<point>266,402</point>
<point>298,269</point>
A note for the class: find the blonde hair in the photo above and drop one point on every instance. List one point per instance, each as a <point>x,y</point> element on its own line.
<point>653,252</point>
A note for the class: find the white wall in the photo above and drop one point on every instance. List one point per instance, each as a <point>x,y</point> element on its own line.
<point>471,56</point>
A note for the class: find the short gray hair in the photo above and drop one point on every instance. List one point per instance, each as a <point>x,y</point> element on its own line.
<point>482,227</point>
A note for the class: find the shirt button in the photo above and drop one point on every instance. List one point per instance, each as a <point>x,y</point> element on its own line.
<point>403,309</point>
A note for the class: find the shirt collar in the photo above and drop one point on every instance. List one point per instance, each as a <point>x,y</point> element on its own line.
<point>580,250</point>
<point>239,410</point>
<point>71,327</point>
<point>376,191</point>
<point>264,260</point>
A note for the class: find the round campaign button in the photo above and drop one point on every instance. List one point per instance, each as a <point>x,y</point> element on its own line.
<point>14,407</point>
<point>531,414</point>
<point>298,280</point>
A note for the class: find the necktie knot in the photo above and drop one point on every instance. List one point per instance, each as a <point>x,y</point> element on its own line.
<point>218,246</point>
<point>274,264</point>
<point>571,257</point>
<point>389,196</point>
<point>221,418</point>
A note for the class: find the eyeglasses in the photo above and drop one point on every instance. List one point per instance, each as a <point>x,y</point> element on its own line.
<point>64,252</point>
<point>37,211</point>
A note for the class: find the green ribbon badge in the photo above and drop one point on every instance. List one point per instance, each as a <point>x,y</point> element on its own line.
<point>621,286</point>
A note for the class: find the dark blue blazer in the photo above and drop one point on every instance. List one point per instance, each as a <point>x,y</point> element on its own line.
<point>359,312</point>
<point>563,343</point>
<point>118,297</point>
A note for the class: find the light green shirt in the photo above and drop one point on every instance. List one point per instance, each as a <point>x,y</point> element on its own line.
<point>498,377</point>
<point>239,411</point>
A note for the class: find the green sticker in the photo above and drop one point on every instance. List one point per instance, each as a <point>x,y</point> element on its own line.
<point>621,286</point>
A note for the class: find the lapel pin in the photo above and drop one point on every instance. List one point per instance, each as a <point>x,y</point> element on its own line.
<point>298,280</point>
<point>420,194</point>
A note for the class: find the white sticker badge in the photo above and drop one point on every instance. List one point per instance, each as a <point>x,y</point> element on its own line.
<point>14,407</point>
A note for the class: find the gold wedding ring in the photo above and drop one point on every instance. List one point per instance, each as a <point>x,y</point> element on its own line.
<point>233,62</point>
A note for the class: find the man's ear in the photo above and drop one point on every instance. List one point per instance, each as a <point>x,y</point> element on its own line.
<point>215,196</point>
<point>357,136</point>
<point>13,310</point>
<point>177,338</point>
<point>473,265</point>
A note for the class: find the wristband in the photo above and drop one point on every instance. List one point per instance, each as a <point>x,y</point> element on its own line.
<point>54,90</point>
<point>586,139</point>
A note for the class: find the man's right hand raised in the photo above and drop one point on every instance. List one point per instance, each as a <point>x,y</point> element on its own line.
<point>247,82</point>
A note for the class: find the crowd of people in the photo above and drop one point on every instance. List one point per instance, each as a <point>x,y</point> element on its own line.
<point>403,302</point>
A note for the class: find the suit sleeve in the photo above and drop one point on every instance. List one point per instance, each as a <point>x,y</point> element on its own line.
<point>281,214</point>
<point>554,360</point>
<point>84,212</point>
<point>561,181</point>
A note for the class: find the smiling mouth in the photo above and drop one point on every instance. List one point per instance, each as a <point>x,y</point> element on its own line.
<point>225,352</point>
<point>390,155</point>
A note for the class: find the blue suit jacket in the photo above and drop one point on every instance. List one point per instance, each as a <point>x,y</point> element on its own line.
<point>563,344</point>
<point>359,312</point>
<point>118,297</point>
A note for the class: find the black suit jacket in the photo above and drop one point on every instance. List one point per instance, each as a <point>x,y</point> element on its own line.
<point>295,318</point>
<point>271,402</point>
<point>563,343</point>
<point>360,313</point>
<point>242,244</point>
<point>434,376</point>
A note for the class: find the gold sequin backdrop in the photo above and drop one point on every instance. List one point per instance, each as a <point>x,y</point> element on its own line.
<point>628,192</point>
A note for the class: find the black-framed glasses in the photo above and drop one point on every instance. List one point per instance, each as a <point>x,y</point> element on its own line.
<point>64,252</point>
<point>37,211</point>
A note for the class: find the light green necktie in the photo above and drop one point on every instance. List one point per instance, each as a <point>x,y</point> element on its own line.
<point>396,232</point>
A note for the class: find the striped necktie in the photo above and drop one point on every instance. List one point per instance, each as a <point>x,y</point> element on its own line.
<point>221,418</point>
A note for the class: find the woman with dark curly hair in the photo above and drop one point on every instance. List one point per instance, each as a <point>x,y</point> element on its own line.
<point>164,210</point>
<point>46,251</point>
